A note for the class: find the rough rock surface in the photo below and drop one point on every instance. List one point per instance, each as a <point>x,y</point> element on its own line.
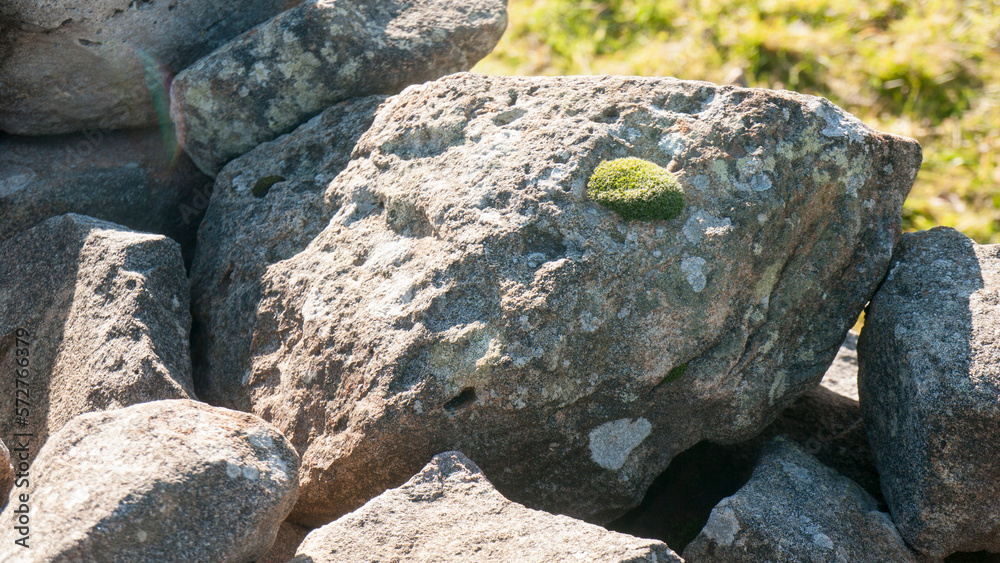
<point>271,79</point>
<point>101,314</point>
<point>467,295</point>
<point>162,481</point>
<point>795,509</point>
<point>133,178</point>
<point>842,377</point>
<point>450,511</point>
<point>252,223</point>
<point>70,65</point>
<point>929,380</point>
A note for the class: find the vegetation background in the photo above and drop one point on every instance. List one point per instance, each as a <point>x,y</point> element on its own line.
<point>927,69</point>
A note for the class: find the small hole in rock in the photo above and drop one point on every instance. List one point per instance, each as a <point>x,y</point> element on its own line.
<point>467,396</point>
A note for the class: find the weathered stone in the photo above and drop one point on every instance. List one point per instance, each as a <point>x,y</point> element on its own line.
<point>70,65</point>
<point>133,178</point>
<point>161,481</point>
<point>468,295</point>
<point>271,79</point>
<point>246,230</point>
<point>796,509</point>
<point>842,377</point>
<point>929,381</point>
<point>101,315</point>
<point>450,511</point>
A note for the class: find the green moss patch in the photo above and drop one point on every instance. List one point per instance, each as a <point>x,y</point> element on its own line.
<point>676,373</point>
<point>636,189</point>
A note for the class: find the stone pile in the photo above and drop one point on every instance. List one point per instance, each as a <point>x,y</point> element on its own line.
<point>395,259</point>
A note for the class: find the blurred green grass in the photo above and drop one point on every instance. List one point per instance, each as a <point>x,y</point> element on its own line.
<point>927,69</point>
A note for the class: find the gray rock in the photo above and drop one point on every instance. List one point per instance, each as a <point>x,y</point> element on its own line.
<point>795,509</point>
<point>842,377</point>
<point>450,511</point>
<point>101,315</point>
<point>70,65</point>
<point>266,206</point>
<point>275,77</point>
<point>467,294</point>
<point>930,381</point>
<point>133,178</point>
<point>157,482</point>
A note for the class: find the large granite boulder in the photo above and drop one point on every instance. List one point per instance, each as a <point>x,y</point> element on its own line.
<point>266,206</point>
<point>275,77</point>
<point>94,317</point>
<point>795,509</point>
<point>450,512</point>
<point>467,294</point>
<point>70,65</point>
<point>929,381</point>
<point>157,482</point>
<point>133,178</point>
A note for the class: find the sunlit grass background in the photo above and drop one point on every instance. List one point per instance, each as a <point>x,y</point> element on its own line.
<point>926,69</point>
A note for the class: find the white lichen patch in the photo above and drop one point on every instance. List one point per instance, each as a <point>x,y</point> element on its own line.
<point>702,223</point>
<point>692,268</point>
<point>722,525</point>
<point>838,123</point>
<point>673,143</point>
<point>612,442</point>
<point>853,183</point>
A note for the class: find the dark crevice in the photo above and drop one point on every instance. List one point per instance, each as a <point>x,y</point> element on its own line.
<point>463,399</point>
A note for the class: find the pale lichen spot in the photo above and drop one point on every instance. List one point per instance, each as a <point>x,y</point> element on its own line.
<point>673,144</point>
<point>692,268</point>
<point>722,525</point>
<point>853,183</point>
<point>612,442</point>
<point>838,123</point>
<point>702,223</point>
